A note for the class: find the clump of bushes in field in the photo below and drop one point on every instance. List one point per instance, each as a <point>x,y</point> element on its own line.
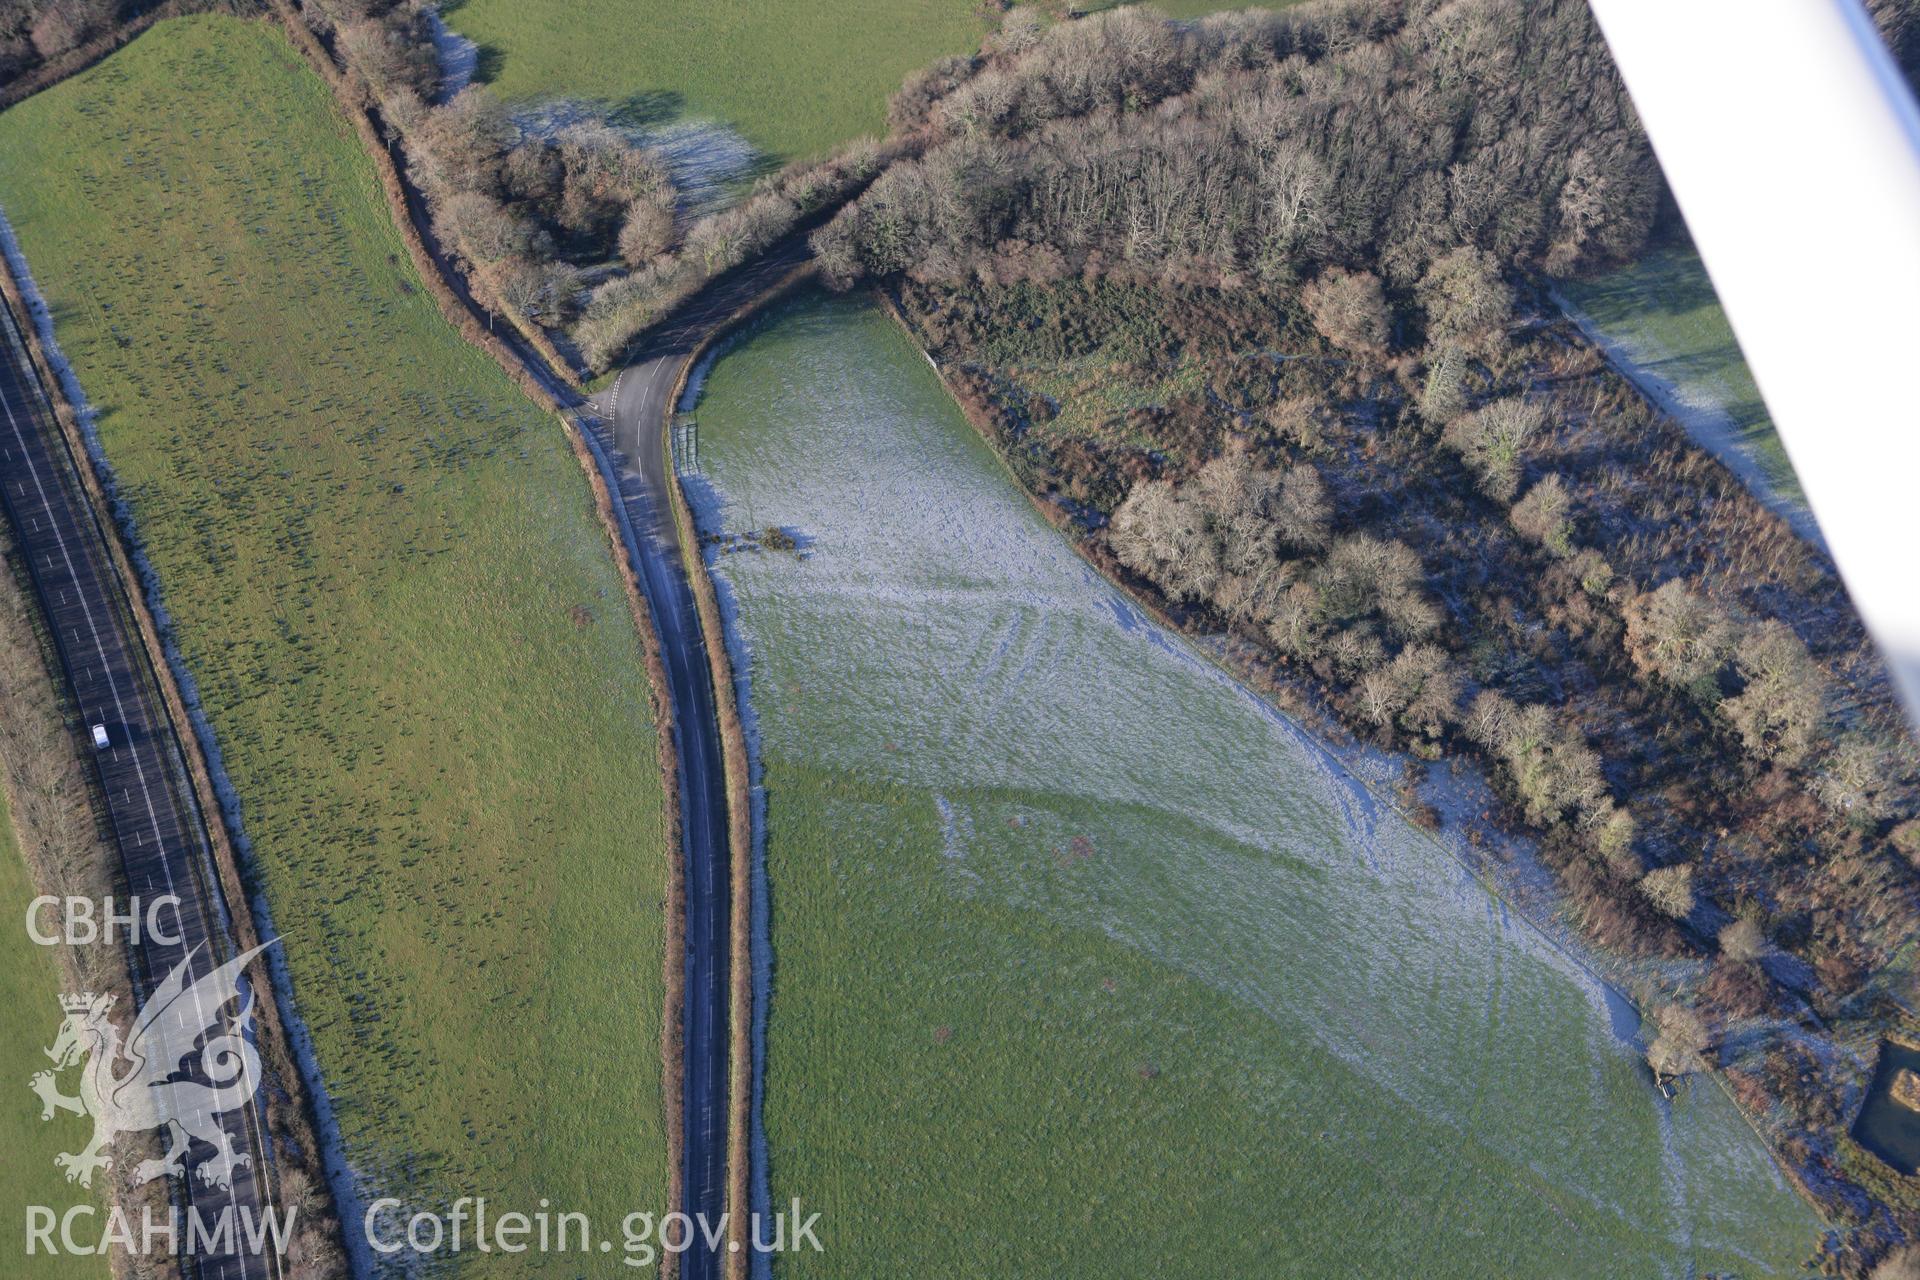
<point>530,212</point>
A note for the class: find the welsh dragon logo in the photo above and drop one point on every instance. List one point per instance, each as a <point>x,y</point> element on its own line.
<point>143,1083</point>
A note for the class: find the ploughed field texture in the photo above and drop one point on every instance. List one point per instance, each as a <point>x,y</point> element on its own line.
<point>797,77</point>
<point>1075,944</point>
<point>385,576</point>
<point>31,984</point>
<point>1660,318</point>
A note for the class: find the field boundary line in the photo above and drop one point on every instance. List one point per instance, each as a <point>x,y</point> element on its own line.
<point>460,312</point>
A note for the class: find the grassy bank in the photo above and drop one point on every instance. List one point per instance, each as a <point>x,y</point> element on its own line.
<point>385,575</point>
<point>30,985</point>
<point>796,77</point>
<point>45,811</point>
<point>1075,945</point>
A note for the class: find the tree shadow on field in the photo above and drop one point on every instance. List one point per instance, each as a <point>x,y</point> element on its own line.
<point>648,107</point>
<point>653,108</point>
<point>488,60</point>
<point>1684,288</point>
<point>763,164</point>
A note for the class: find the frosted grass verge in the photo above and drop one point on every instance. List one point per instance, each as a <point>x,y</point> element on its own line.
<point>459,56</point>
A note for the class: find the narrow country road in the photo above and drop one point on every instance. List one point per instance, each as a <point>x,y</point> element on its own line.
<point>141,773</point>
<point>625,425</point>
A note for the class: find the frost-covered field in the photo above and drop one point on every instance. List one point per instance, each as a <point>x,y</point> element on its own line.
<point>708,162</point>
<point>1085,962</point>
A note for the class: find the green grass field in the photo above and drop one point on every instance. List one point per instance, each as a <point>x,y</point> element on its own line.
<point>385,574</point>
<point>30,987</point>
<point>1085,964</point>
<point>1663,318</point>
<point>796,77</point>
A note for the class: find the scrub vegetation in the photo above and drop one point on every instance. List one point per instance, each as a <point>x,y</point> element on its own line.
<point>1420,500</point>
<point>42,41</point>
<point>585,235</point>
<point>579,232</point>
<point>385,576</point>
<point>1258,148</point>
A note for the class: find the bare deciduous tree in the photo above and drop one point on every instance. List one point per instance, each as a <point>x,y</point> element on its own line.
<point>1780,713</point>
<point>1163,536</point>
<point>1493,440</point>
<point>1348,309</point>
<point>1466,300</point>
<point>1680,1042</point>
<point>1549,764</point>
<point>66,24</point>
<point>1301,512</point>
<point>1426,688</point>
<point>1444,396</point>
<point>1365,575</point>
<point>482,227</point>
<point>1860,774</point>
<point>1670,889</point>
<point>1681,637</point>
<point>1296,628</point>
<point>1542,515</point>
<point>463,143</point>
<point>647,231</point>
<point>1743,939</point>
<point>602,175</point>
<point>1594,573</point>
